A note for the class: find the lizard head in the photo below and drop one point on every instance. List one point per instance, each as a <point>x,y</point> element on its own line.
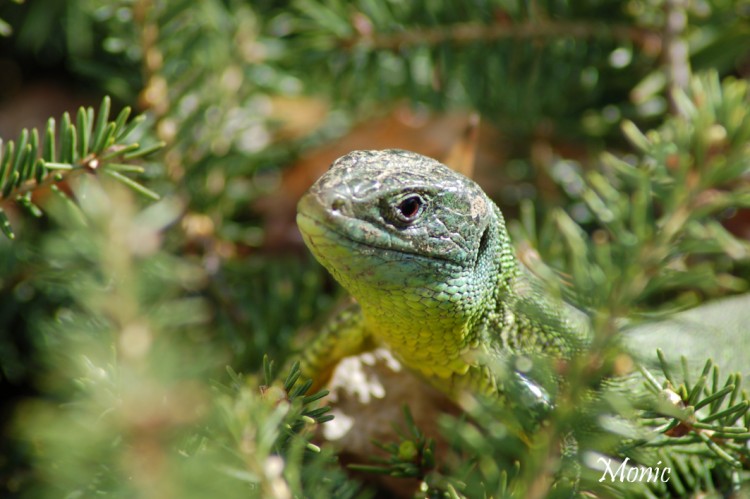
<point>408,237</point>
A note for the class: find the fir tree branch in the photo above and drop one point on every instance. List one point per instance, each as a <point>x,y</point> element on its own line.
<point>412,457</point>
<point>705,420</point>
<point>93,144</point>
<point>471,32</point>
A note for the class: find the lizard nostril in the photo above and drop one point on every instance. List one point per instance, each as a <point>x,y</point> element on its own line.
<point>337,204</point>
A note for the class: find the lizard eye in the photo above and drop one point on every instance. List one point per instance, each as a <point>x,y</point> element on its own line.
<point>409,208</point>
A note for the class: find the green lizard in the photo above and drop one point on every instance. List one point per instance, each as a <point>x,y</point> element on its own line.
<point>427,257</point>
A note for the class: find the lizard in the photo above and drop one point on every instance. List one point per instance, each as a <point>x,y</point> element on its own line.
<point>429,262</point>
<point>427,257</point>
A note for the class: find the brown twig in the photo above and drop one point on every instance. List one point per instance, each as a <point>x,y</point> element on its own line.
<point>464,33</point>
<point>32,186</point>
<point>675,55</point>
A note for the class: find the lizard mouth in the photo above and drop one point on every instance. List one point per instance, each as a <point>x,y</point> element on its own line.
<point>321,228</point>
<point>319,232</point>
<point>317,224</point>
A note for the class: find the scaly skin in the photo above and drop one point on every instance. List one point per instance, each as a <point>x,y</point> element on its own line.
<point>426,255</point>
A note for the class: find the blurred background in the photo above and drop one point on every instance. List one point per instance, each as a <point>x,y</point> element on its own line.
<point>116,331</point>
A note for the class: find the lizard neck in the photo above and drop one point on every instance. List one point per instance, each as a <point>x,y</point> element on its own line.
<point>433,316</point>
<point>420,335</point>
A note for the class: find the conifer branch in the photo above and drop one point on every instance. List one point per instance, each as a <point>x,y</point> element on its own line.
<point>702,413</point>
<point>92,144</point>
<point>471,32</point>
<point>412,457</point>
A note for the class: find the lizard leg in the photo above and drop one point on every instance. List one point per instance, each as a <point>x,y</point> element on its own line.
<point>342,336</point>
